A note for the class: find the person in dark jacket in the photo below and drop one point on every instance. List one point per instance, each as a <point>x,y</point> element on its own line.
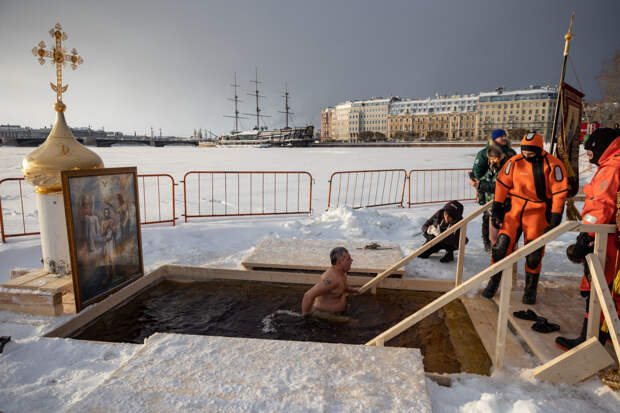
<point>481,166</point>
<point>450,214</point>
<point>486,187</point>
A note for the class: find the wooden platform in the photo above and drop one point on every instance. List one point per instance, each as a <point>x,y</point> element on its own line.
<point>561,305</point>
<point>313,255</point>
<point>37,292</point>
<point>483,314</point>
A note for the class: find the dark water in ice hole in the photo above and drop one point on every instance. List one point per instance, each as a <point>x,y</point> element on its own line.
<point>271,311</point>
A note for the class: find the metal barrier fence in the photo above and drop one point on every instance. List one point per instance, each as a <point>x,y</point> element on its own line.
<point>246,193</point>
<point>428,186</point>
<point>369,186</point>
<point>24,220</point>
<point>166,198</point>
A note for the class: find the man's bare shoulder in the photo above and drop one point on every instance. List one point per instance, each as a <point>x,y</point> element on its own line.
<point>329,277</point>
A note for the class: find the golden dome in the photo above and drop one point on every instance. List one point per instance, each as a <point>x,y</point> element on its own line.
<point>60,152</point>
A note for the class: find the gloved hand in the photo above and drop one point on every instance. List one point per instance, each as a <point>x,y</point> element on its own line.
<point>582,246</point>
<point>555,220</point>
<point>497,214</point>
<point>433,230</point>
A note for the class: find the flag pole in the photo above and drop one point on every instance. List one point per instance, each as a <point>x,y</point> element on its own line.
<point>568,36</point>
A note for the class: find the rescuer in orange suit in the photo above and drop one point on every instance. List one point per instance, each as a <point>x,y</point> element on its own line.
<point>530,193</point>
<point>600,207</point>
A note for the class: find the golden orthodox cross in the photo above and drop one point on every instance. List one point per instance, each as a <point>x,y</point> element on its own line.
<point>60,57</point>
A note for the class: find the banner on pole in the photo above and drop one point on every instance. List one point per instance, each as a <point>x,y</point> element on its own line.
<point>569,132</point>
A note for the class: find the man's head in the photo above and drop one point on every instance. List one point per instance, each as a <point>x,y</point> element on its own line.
<point>106,212</point>
<point>598,142</point>
<point>499,137</point>
<point>532,147</point>
<point>341,258</point>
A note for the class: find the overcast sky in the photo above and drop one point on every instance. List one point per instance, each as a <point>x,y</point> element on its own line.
<point>170,64</point>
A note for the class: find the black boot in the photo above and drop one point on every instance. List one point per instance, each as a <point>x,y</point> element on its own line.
<point>485,232</point>
<point>568,343</point>
<point>531,283</point>
<point>448,257</point>
<point>429,252</point>
<point>492,286</point>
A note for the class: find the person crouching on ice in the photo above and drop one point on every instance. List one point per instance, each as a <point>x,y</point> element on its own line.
<point>450,214</point>
<point>530,192</point>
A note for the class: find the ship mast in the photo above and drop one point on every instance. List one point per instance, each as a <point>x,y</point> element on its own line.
<point>287,108</point>
<point>256,94</point>
<point>237,101</point>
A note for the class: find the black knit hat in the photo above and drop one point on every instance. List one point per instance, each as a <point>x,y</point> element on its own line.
<point>454,209</point>
<point>599,141</point>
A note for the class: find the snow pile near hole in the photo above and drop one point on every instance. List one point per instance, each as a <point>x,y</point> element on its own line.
<point>503,393</point>
<point>49,374</point>
<point>348,223</point>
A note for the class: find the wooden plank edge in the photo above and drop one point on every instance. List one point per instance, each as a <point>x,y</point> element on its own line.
<point>590,357</point>
<point>181,273</point>
<point>93,311</point>
<point>251,265</point>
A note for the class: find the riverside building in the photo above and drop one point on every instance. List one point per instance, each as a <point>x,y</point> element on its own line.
<point>530,109</point>
<point>456,117</point>
<point>448,117</point>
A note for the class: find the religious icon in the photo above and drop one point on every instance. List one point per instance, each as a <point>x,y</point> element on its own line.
<point>103,224</point>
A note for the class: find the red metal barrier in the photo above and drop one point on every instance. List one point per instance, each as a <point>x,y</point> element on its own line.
<point>5,233</point>
<point>148,215</point>
<point>246,193</point>
<point>439,185</point>
<point>369,184</point>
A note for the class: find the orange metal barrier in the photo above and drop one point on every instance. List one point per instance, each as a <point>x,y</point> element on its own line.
<point>246,193</point>
<point>12,230</point>
<point>439,185</point>
<point>154,215</point>
<point>149,190</point>
<point>369,186</point>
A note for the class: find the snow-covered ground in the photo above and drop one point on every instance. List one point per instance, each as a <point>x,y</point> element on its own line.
<point>39,374</point>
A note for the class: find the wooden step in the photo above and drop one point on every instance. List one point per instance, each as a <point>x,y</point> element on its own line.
<point>561,305</point>
<point>36,292</point>
<point>483,314</point>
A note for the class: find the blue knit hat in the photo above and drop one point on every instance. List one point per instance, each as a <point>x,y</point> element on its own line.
<point>498,133</point>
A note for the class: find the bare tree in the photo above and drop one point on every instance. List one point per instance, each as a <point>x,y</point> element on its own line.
<point>608,111</point>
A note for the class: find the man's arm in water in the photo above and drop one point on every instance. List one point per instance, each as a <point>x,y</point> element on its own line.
<point>321,288</point>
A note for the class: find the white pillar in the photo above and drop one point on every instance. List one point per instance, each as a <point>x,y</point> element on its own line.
<point>54,240</point>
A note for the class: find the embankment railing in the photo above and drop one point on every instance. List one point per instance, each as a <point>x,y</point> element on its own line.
<point>439,185</point>
<point>155,192</point>
<point>246,193</point>
<point>505,266</point>
<point>367,188</point>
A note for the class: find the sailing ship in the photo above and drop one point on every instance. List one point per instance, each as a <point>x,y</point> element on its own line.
<point>261,136</point>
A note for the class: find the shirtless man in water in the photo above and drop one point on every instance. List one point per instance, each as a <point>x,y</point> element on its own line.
<point>328,295</point>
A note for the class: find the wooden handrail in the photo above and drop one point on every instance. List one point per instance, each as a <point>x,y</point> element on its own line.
<point>474,282</point>
<point>501,265</point>
<point>462,223</point>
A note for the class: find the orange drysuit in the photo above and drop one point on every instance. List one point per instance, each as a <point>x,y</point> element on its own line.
<point>531,192</point>
<point>600,207</point>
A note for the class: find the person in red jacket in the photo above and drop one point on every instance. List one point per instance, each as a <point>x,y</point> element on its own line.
<point>600,207</point>
<point>530,193</point>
